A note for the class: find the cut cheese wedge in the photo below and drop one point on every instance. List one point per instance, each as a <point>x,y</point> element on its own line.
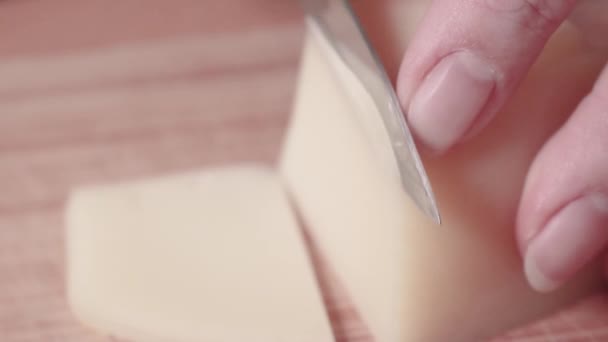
<point>410,279</point>
<point>209,256</point>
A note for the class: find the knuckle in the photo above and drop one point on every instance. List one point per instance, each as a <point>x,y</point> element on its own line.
<point>550,11</point>
<point>533,14</point>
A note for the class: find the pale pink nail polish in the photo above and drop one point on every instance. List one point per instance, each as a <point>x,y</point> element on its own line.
<point>450,99</point>
<point>569,241</point>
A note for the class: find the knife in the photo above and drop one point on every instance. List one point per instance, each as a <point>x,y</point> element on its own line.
<point>341,28</point>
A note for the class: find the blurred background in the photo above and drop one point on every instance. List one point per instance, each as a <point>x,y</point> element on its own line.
<point>99,91</point>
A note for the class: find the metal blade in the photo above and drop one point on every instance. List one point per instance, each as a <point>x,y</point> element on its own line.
<point>340,26</point>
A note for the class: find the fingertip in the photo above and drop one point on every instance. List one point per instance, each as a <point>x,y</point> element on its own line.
<point>537,278</point>
<point>460,69</point>
<point>571,239</point>
<point>529,217</point>
<point>451,99</point>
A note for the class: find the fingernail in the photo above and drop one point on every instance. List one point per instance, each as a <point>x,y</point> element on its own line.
<point>450,99</point>
<point>569,241</point>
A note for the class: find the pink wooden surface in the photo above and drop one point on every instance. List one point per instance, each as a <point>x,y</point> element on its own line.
<point>93,90</point>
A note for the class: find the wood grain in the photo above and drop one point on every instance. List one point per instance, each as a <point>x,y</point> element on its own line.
<point>97,91</point>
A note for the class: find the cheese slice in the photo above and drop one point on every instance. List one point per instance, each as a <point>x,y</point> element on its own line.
<point>410,279</point>
<point>209,256</point>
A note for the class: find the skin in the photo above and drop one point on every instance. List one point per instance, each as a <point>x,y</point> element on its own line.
<point>473,54</point>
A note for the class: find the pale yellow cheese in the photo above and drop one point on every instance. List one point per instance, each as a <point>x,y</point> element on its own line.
<point>410,279</point>
<point>210,256</point>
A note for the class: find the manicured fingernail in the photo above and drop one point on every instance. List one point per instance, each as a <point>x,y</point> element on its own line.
<point>569,241</point>
<point>450,99</point>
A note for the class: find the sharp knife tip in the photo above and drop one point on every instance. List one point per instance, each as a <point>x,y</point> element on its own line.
<point>430,208</point>
<point>435,215</point>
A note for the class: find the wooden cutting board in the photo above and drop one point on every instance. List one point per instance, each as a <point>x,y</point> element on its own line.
<point>93,90</point>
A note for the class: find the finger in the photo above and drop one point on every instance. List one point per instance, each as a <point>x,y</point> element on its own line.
<point>562,222</point>
<point>467,58</point>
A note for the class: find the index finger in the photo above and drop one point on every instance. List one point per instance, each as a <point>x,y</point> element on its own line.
<point>467,58</point>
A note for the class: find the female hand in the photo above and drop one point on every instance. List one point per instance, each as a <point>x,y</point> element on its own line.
<point>465,61</point>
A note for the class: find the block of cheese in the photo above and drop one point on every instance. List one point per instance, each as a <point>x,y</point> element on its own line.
<point>410,279</point>
<point>209,256</point>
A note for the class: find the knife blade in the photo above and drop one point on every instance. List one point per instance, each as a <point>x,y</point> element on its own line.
<point>340,26</point>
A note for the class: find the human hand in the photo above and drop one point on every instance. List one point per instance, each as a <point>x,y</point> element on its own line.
<point>464,63</point>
